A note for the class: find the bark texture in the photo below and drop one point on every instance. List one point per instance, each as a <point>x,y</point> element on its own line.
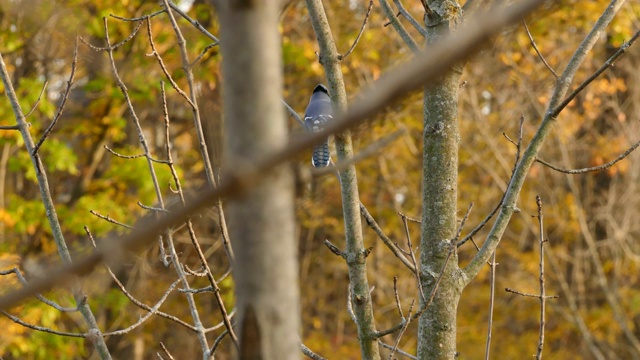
<point>437,327</point>
<point>354,249</point>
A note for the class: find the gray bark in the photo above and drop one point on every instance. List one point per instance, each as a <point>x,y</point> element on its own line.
<point>354,250</point>
<point>437,327</point>
<point>261,223</point>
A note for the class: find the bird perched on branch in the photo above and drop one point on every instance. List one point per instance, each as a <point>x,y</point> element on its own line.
<point>318,113</point>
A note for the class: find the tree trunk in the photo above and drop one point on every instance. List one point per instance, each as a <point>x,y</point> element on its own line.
<point>437,327</point>
<point>262,221</point>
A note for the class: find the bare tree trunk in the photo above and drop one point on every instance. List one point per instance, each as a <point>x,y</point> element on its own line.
<point>262,221</point>
<point>437,327</point>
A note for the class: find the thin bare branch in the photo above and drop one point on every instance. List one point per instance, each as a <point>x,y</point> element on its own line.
<point>397,25</point>
<point>410,18</point>
<point>543,293</point>
<point>164,348</point>
<point>355,42</point>
<point>144,17</point>
<point>404,328</point>
<point>51,303</point>
<point>193,22</point>
<point>535,47</point>
<point>492,299</point>
<point>17,320</point>
<point>114,47</point>
<point>594,168</point>
<point>403,353</point>
<point>413,259</point>
<point>35,105</point>
<point>385,239</point>
<point>310,354</point>
<point>155,54</point>
<point>293,113</point>
<point>107,218</point>
<point>605,66</point>
<point>217,342</point>
<point>133,300</point>
<point>65,96</point>
<point>152,311</point>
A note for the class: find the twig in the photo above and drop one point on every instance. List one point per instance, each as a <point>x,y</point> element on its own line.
<point>397,297</point>
<point>543,300</point>
<point>413,259</point>
<point>113,47</point>
<point>135,301</point>
<point>535,47</point>
<point>109,219</point>
<point>464,220</point>
<point>404,328</point>
<point>403,353</point>
<point>397,25</point>
<point>355,42</point>
<point>153,310</point>
<point>217,342</point>
<point>151,208</point>
<point>492,299</point>
<point>334,249</point>
<point>9,127</point>
<point>385,239</point>
<point>144,17</point>
<point>591,169</point>
<point>310,354</point>
<point>514,291</point>
<point>410,218</point>
<point>203,53</point>
<point>17,320</point>
<point>293,113</point>
<point>35,105</point>
<point>197,291</point>
<point>164,348</point>
<point>155,54</point>
<point>65,96</point>
<point>51,303</point>
<point>605,66</point>
<point>518,145</point>
<point>193,22</point>
<point>410,18</point>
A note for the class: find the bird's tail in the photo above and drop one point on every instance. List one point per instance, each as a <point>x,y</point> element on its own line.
<point>321,156</point>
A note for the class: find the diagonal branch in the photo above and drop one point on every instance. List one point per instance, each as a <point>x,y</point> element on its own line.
<point>364,24</point>
<point>397,25</point>
<point>555,106</point>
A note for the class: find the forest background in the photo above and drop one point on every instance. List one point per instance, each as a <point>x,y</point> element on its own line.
<point>501,84</point>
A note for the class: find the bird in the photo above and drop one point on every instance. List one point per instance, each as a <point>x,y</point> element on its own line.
<point>318,113</point>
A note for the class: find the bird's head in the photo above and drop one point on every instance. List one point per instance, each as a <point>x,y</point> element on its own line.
<point>321,88</point>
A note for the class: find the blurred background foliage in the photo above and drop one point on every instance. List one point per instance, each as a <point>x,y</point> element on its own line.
<point>505,81</point>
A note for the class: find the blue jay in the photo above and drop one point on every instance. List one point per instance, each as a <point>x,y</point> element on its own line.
<point>317,114</point>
